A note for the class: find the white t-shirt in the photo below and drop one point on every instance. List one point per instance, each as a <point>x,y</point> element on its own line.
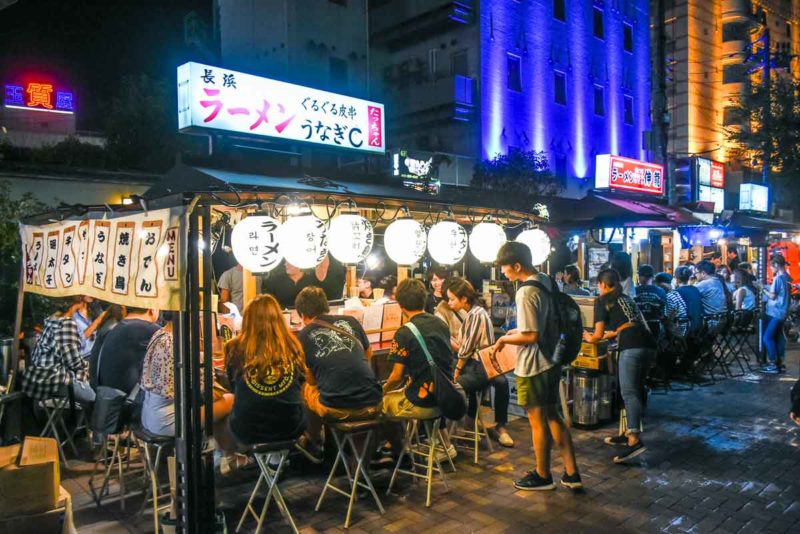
<point>233,281</point>
<point>532,309</point>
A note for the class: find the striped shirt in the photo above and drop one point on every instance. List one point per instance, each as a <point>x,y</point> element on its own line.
<point>477,332</point>
<point>677,315</point>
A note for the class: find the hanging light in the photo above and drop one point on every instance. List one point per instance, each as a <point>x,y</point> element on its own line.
<point>538,242</point>
<point>405,241</point>
<point>485,240</point>
<point>304,241</point>
<point>255,243</point>
<point>447,242</point>
<point>350,238</point>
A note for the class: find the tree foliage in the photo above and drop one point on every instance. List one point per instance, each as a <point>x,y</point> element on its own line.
<point>525,172</point>
<point>755,133</point>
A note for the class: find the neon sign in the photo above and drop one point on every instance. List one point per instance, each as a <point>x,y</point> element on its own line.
<point>628,175</point>
<point>39,96</point>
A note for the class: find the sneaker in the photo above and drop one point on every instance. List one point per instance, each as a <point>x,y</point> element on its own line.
<point>631,451</point>
<point>572,482</point>
<point>310,450</point>
<point>770,369</point>
<point>443,454</point>
<point>622,439</point>
<point>533,482</point>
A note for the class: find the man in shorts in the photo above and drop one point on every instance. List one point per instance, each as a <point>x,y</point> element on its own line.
<point>537,377</point>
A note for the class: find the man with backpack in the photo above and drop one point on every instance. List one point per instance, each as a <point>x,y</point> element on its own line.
<point>537,375</point>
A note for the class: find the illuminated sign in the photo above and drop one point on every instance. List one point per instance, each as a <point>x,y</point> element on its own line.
<point>221,99</point>
<point>417,170</point>
<point>710,173</point>
<point>628,175</point>
<point>712,194</point>
<point>754,197</point>
<point>38,96</point>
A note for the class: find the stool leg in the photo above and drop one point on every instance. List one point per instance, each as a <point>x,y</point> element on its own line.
<point>339,456</point>
<point>433,438</point>
<point>367,479</point>
<point>403,453</point>
<point>477,430</point>
<point>354,488</point>
<point>274,491</point>
<point>249,507</point>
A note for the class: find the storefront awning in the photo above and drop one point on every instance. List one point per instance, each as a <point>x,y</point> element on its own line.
<point>743,221</point>
<point>600,211</point>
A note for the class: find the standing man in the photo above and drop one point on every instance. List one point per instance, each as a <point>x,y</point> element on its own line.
<point>538,378</point>
<point>231,289</point>
<point>778,298</point>
<point>733,258</point>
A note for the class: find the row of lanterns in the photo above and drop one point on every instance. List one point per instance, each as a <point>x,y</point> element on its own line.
<point>260,242</point>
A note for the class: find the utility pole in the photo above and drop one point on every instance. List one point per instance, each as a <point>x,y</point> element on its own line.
<point>766,63</point>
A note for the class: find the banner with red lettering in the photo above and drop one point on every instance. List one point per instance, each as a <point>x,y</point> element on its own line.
<point>135,260</point>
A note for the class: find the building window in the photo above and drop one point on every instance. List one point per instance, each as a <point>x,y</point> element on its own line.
<point>599,30</point>
<point>735,31</point>
<point>599,101</point>
<point>338,72</point>
<point>513,67</point>
<point>627,37</point>
<point>733,73</point>
<point>560,10</point>
<point>459,63</point>
<point>628,111</point>
<point>560,87</point>
<point>731,116</point>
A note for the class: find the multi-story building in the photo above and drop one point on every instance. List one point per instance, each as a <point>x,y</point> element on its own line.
<point>714,49</point>
<point>477,78</point>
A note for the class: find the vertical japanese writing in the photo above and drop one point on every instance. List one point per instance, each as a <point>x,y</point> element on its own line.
<point>375,135</point>
<point>171,259</point>
<point>66,264</point>
<point>83,250</point>
<point>100,239</point>
<point>146,281</point>
<point>33,259</point>
<point>121,259</point>
<point>53,246</point>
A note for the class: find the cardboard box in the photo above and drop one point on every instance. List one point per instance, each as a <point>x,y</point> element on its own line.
<point>594,349</point>
<point>58,519</point>
<point>29,477</point>
<point>589,362</point>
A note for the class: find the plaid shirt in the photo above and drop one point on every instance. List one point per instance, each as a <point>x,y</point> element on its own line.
<point>56,361</point>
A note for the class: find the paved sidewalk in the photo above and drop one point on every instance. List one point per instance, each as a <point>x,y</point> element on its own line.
<point>723,458</point>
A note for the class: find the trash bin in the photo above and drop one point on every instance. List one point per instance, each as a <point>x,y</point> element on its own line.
<point>606,414</point>
<point>586,398</point>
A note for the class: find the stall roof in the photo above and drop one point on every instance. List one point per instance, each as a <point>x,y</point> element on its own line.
<point>745,221</point>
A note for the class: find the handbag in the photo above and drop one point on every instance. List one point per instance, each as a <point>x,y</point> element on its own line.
<point>450,397</point>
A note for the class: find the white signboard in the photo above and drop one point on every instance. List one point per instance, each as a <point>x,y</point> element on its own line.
<point>754,197</point>
<point>222,99</point>
<point>712,194</point>
<point>132,260</point>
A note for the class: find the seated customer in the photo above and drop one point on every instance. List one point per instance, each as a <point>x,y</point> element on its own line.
<point>56,363</point>
<point>477,332</point>
<point>452,318</point>
<point>120,360</point>
<point>340,384</point>
<point>408,392</point>
<point>158,383</point>
<point>265,365</point>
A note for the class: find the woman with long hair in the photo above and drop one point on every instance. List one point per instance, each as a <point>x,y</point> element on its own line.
<point>477,333</point>
<point>617,316</point>
<point>744,296</point>
<point>265,364</point>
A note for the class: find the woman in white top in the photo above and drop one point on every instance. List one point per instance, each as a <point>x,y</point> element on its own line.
<point>477,332</point>
<point>745,294</point>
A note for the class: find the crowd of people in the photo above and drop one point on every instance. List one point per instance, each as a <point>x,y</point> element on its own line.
<point>278,384</point>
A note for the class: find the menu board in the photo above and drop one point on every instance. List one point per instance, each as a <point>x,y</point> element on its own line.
<point>392,319</point>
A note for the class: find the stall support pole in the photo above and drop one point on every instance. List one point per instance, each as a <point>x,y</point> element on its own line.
<point>14,408</point>
<point>208,504</point>
<point>402,273</point>
<point>351,282</point>
<point>762,275</point>
<point>249,288</point>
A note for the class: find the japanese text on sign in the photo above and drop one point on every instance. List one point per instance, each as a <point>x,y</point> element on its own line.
<point>217,98</point>
<point>38,96</point>
<point>630,175</point>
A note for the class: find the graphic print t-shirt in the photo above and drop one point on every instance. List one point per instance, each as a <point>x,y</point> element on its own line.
<point>339,363</point>
<point>267,409</point>
<point>407,351</point>
<point>624,311</point>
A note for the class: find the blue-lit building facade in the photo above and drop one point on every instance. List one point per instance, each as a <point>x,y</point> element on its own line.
<point>569,77</point>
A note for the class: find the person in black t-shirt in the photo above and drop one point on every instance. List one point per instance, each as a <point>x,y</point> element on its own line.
<point>650,298</point>
<point>616,315</point>
<point>416,400</point>
<point>330,276</point>
<point>340,384</point>
<point>265,365</point>
<point>285,283</point>
<point>121,356</point>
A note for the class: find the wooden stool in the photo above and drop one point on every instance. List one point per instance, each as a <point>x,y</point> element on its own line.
<point>263,452</point>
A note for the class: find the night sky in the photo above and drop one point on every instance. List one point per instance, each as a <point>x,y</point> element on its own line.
<point>91,45</point>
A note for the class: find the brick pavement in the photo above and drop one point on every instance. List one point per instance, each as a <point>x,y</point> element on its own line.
<point>723,458</point>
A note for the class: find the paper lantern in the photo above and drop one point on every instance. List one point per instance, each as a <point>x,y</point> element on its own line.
<point>304,241</point>
<point>485,240</point>
<point>404,241</point>
<point>447,242</point>
<point>255,243</point>
<point>538,242</point>
<point>350,238</point>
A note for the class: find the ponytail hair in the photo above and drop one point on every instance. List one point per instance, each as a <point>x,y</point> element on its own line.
<point>610,278</point>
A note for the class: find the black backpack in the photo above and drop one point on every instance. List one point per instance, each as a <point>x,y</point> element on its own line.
<point>563,333</point>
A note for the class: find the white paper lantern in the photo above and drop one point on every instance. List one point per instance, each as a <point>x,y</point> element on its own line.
<point>447,242</point>
<point>304,241</point>
<point>350,238</point>
<point>485,240</point>
<point>404,241</point>
<point>538,242</point>
<point>255,243</point>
